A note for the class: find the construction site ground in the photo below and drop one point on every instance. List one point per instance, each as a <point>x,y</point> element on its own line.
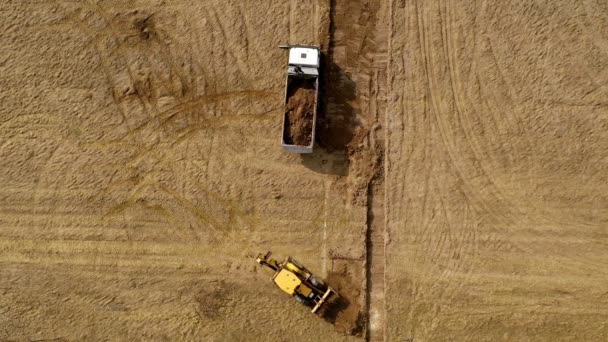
<point>458,190</point>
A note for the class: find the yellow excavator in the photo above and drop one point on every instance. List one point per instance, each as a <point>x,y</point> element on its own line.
<point>295,280</point>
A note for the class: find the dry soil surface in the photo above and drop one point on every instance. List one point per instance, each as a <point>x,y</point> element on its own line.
<point>497,171</point>
<point>461,194</point>
<point>141,173</point>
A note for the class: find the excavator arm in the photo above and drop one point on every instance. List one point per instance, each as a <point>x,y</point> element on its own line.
<point>265,260</point>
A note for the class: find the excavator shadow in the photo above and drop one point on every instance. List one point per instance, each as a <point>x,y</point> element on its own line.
<point>346,317</point>
<point>344,311</point>
<point>333,308</point>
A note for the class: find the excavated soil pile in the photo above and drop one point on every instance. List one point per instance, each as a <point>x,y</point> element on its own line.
<point>299,112</point>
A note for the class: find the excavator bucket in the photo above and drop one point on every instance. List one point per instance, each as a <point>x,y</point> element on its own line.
<point>327,294</point>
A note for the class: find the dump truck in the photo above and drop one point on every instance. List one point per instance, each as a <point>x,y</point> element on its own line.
<point>294,279</point>
<point>301,96</point>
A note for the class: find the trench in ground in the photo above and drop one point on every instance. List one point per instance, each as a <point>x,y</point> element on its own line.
<point>356,92</point>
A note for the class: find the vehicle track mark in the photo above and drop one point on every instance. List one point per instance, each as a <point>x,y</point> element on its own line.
<point>440,110</point>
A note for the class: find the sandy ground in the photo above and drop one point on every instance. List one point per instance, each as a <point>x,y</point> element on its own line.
<point>142,172</point>
<point>497,171</point>
<point>460,193</point>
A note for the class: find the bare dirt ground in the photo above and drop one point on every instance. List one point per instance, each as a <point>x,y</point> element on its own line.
<point>460,192</point>
<point>497,171</point>
<point>142,173</point>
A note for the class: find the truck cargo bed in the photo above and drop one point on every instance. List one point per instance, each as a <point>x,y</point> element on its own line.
<point>300,116</point>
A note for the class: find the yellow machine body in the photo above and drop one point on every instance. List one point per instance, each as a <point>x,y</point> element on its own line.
<point>294,268</point>
<point>287,281</point>
<point>295,280</point>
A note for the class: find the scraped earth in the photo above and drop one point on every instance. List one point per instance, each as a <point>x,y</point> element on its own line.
<point>458,189</point>
<point>345,312</point>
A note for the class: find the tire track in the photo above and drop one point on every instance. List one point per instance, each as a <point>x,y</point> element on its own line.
<point>200,176</point>
<point>443,252</point>
<point>468,130</point>
<point>440,112</point>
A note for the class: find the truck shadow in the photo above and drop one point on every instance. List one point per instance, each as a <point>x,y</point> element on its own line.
<point>333,163</point>
<point>335,121</point>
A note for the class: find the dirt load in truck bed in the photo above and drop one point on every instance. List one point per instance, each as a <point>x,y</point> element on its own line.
<point>299,112</point>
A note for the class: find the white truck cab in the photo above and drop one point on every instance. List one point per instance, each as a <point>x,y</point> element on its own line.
<point>304,56</point>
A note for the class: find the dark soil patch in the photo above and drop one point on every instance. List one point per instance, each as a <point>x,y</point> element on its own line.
<point>344,312</point>
<point>211,299</point>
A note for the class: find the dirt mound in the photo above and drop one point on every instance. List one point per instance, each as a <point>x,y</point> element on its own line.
<point>344,312</point>
<point>299,112</point>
